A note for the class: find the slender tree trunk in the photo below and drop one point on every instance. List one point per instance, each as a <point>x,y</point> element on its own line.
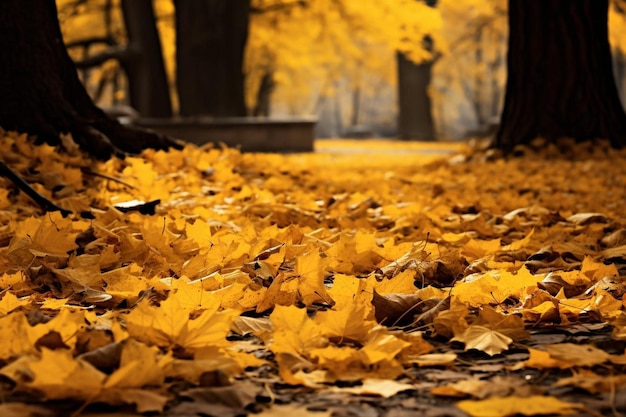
<point>263,105</point>
<point>356,106</point>
<point>479,83</point>
<point>210,44</point>
<point>560,81</point>
<point>415,118</point>
<point>40,90</point>
<point>143,63</point>
<point>496,91</point>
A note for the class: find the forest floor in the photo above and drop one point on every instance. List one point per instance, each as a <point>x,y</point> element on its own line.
<point>368,278</point>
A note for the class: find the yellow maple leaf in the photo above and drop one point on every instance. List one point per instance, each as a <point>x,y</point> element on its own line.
<point>401,283</point>
<point>209,359</point>
<point>294,331</point>
<point>161,325</point>
<point>168,325</point>
<point>67,325</point>
<point>49,236</point>
<point>592,382</point>
<point>485,339</point>
<point>199,232</point>
<point>57,375</point>
<point>209,329</point>
<point>475,249</point>
<point>347,325</point>
<point>597,270</point>
<point>192,295</point>
<point>140,365</point>
<point>339,362</point>
<point>123,285</point>
<point>354,253</point>
<point>10,302</point>
<point>509,325</point>
<point>296,370</point>
<point>494,286</point>
<point>577,355</point>
<point>54,303</point>
<point>18,336</point>
<point>292,410</point>
<point>540,359</point>
<point>434,359</point>
<point>606,304</point>
<point>282,291</point>
<point>510,406</point>
<point>382,346</point>
<point>15,281</point>
<point>379,387</point>
<point>309,273</point>
<point>348,290</point>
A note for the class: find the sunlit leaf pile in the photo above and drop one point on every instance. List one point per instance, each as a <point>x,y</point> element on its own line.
<point>323,270</point>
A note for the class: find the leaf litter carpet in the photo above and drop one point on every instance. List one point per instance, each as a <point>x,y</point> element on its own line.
<point>368,278</point>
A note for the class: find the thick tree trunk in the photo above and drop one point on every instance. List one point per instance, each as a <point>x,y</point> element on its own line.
<point>415,119</point>
<point>40,90</point>
<point>143,63</point>
<point>560,81</point>
<point>210,44</point>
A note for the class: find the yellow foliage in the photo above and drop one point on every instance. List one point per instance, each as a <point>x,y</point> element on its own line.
<point>325,41</point>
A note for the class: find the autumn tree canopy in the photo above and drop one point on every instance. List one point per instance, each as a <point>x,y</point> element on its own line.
<point>303,46</point>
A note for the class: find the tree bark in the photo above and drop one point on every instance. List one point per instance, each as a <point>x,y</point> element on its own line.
<point>143,63</point>
<point>40,89</point>
<point>415,119</point>
<point>560,81</point>
<point>210,44</point>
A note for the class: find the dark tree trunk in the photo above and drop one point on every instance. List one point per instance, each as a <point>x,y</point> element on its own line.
<point>262,108</point>
<point>143,63</point>
<point>40,90</point>
<point>560,81</point>
<point>210,44</point>
<point>415,119</point>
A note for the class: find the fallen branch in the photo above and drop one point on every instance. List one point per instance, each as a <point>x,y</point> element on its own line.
<point>41,201</point>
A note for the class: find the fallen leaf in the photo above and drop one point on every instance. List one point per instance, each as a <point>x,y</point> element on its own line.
<point>511,406</point>
<point>484,339</point>
<point>376,387</point>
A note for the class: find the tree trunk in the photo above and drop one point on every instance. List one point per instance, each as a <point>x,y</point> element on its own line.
<point>210,44</point>
<point>619,70</point>
<point>143,63</point>
<point>560,81</point>
<point>415,118</point>
<point>262,108</point>
<point>40,90</point>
